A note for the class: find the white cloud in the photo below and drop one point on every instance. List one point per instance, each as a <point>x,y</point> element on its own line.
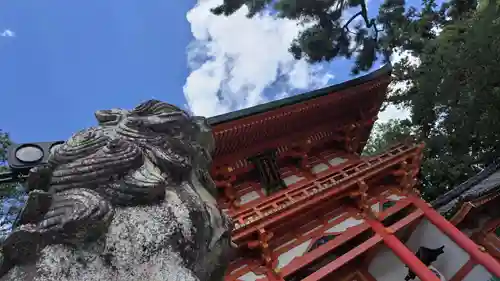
<point>7,33</point>
<point>238,62</point>
<point>392,112</point>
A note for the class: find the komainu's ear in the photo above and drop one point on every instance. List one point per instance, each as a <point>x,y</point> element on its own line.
<point>109,116</point>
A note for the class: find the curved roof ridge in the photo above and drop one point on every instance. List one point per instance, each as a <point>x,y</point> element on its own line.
<point>457,191</point>
<point>384,70</point>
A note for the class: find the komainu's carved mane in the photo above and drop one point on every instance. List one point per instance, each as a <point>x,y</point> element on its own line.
<point>128,160</point>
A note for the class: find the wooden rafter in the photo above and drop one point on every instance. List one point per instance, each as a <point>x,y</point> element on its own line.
<point>282,122</point>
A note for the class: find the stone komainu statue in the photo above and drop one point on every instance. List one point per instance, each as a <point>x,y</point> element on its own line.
<point>130,199</point>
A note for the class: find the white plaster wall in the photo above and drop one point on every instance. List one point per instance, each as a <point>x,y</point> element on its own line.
<point>297,251</point>
<point>479,273</point>
<point>336,161</point>
<point>428,235</point>
<point>249,197</point>
<point>386,266</point>
<point>292,179</point>
<point>318,168</point>
<point>251,276</point>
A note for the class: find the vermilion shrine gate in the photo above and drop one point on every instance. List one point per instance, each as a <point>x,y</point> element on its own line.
<point>307,206</point>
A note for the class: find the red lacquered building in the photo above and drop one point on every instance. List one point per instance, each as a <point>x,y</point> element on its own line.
<point>307,206</point>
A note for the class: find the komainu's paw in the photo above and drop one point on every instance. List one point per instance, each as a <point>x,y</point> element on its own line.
<point>37,205</point>
<point>23,244</point>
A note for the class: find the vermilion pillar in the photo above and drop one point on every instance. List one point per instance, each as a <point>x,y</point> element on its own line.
<point>483,258</point>
<point>406,256</point>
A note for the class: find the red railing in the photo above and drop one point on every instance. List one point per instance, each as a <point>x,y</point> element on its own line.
<point>289,202</point>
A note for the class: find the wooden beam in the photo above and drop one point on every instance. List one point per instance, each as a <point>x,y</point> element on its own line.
<point>325,271</point>
<point>481,257</point>
<point>299,136</point>
<point>320,252</point>
<point>350,233</point>
<point>304,202</point>
<point>287,230</point>
<point>463,271</point>
<point>228,190</point>
<point>401,251</point>
<point>366,275</point>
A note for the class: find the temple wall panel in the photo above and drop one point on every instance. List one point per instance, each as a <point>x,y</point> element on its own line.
<point>429,236</point>
<point>386,266</point>
<point>310,237</point>
<point>327,160</point>
<point>249,192</point>
<point>291,175</point>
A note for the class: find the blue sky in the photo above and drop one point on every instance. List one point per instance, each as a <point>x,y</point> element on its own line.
<point>70,58</point>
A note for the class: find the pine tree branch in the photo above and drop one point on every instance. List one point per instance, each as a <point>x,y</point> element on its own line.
<point>346,25</point>
<point>364,13</point>
<point>370,23</point>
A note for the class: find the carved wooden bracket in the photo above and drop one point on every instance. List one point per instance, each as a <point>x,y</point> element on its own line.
<point>361,196</point>
<point>263,245</point>
<point>264,238</point>
<point>353,138</point>
<point>409,171</point>
<point>229,192</point>
<point>301,152</point>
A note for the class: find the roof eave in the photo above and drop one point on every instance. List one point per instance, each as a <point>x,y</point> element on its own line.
<point>231,116</point>
<point>463,187</point>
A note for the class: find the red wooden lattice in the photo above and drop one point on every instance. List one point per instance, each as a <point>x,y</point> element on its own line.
<point>288,202</point>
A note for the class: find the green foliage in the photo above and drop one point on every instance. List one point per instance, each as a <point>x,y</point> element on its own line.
<point>453,94</point>
<point>388,134</point>
<point>4,144</point>
<point>454,97</point>
<point>5,189</point>
<point>331,32</point>
<point>12,195</point>
<point>328,35</point>
<point>454,100</point>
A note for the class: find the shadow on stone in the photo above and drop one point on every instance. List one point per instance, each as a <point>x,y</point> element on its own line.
<point>129,199</point>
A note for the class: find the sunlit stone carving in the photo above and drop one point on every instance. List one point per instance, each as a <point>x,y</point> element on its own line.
<point>129,199</point>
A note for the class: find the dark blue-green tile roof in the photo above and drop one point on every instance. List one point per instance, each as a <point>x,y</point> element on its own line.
<point>485,182</point>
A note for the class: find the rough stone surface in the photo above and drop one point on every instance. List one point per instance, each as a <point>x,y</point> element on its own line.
<point>138,246</point>
<point>128,200</point>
